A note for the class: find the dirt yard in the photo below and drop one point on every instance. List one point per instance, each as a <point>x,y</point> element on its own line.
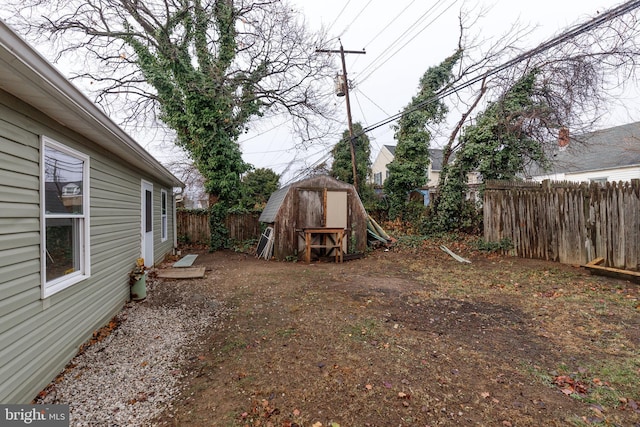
<point>409,337</point>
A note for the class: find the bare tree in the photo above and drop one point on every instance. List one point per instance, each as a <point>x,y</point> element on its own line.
<point>262,44</point>
<point>208,67</point>
<point>577,77</point>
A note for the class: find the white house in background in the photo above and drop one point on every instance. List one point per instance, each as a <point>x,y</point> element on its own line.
<point>80,202</point>
<point>606,155</point>
<point>380,173</point>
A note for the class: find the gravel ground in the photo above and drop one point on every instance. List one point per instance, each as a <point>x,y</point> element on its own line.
<point>132,375</point>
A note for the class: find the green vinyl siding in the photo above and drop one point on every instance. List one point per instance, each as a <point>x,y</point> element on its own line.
<point>18,276</point>
<point>38,337</point>
<point>18,225</point>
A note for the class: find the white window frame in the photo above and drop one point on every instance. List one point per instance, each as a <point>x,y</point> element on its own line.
<point>163,215</point>
<point>377,178</point>
<point>51,287</point>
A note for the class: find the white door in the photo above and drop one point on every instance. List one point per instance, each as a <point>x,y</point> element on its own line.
<point>336,213</point>
<point>336,209</point>
<point>147,223</point>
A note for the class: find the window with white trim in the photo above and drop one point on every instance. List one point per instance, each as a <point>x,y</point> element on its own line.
<point>163,215</point>
<point>377,178</point>
<point>65,216</point>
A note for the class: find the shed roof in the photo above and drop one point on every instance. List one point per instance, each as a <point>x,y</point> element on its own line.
<point>27,75</point>
<point>270,211</point>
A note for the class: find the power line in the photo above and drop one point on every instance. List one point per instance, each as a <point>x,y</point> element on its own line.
<point>360,106</point>
<point>338,16</point>
<point>305,171</point>
<point>402,36</point>
<point>371,101</point>
<point>389,24</point>
<point>407,42</point>
<point>354,19</point>
<point>563,37</point>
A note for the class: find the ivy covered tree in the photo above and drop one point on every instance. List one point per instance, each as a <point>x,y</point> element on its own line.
<point>498,145</point>
<point>341,168</point>
<point>409,168</point>
<point>207,67</point>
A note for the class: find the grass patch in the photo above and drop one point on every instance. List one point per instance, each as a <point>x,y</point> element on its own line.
<point>608,384</point>
<point>362,331</point>
<point>286,333</point>
<point>232,345</point>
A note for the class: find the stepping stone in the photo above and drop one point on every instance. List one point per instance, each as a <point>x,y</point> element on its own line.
<point>182,273</point>
<point>186,261</point>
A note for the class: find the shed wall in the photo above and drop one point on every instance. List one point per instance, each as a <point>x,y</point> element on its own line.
<point>38,337</point>
<point>302,207</point>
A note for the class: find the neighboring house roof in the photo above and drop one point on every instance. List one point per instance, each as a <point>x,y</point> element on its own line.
<point>604,149</point>
<point>27,75</point>
<point>436,156</point>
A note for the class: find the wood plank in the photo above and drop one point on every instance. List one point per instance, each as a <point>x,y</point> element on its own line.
<point>616,273</point>
<point>182,273</point>
<point>185,261</point>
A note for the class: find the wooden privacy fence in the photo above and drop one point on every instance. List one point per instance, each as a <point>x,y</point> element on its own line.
<point>566,222</point>
<point>193,226</point>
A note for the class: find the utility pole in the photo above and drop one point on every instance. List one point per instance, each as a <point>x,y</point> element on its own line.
<point>345,82</point>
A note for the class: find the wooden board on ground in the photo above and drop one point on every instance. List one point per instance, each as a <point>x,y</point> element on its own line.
<point>182,273</point>
<point>186,261</point>
<point>594,267</point>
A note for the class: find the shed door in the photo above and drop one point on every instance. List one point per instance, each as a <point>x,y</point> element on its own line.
<point>336,209</point>
<point>310,208</point>
<point>336,213</point>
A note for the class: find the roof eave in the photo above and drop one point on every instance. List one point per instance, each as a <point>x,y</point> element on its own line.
<point>30,77</point>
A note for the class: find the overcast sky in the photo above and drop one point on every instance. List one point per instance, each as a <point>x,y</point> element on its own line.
<point>386,79</point>
<point>402,39</point>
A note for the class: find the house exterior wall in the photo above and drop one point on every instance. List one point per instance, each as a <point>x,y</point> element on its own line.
<point>38,336</point>
<point>610,175</point>
<point>379,166</point>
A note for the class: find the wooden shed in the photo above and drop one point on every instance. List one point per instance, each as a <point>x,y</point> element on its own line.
<point>317,202</point>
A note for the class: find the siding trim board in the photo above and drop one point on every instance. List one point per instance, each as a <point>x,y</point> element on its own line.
<point>38,336</point>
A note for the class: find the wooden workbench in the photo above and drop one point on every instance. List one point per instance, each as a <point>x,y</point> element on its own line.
<point>329,239</point>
